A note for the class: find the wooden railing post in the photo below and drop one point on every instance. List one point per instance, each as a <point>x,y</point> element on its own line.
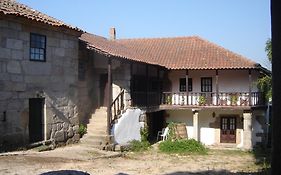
<point>217,87</point>
<point>250,87</point>
<point>109,92</point>
<point>186,85</point>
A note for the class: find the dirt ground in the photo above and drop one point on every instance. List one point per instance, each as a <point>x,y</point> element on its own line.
<point>93,161</point>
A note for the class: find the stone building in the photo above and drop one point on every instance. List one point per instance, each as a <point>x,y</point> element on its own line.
<point>54,77</point>
<point>38,77</point>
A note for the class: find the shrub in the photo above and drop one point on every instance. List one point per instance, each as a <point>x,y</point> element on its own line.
<point>137,146</point>
<point>143,144</point>
<point>182,146</point>
<point>82,130</point>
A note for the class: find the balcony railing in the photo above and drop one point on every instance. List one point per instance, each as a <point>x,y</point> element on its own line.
<point>213,99</point>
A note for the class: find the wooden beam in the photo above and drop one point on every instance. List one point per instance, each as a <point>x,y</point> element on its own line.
<point>147,83</point>
<point>158,86</point>
<point>276,87</point>
<point>131,84</point>
<point>186,85</point>
<point>250,87</point>
<point>109,93</point>
<point>217,87</point>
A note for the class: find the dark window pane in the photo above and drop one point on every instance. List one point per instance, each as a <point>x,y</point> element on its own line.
<point>206,84</point>
<point>182,85</point>
<point>37,47</point>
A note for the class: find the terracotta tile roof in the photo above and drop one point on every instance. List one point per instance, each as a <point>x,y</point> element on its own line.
<point>11,7</point>
<point>187,53</point>
<point>112,48</point>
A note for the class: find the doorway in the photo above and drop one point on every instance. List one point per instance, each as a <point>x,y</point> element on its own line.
<point>36,108</point>
<point>228,130</point>
<point>103,90</point>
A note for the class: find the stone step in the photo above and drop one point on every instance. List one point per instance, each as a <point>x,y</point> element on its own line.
<point>95,120</point>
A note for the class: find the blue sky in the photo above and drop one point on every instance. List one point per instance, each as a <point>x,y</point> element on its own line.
<point>242,26</point>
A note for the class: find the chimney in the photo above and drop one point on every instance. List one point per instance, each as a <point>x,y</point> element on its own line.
<point>112,33</point>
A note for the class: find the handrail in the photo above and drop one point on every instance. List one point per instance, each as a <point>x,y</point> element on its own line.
<point>213,98</point>
<point>117,105</point>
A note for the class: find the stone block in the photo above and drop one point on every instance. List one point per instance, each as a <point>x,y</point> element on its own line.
<point>70,132</point>
<point>76,138</point>
<point>15,25</point>
<point>14,67</point>
<point>4,76</point>
<point>5,95</point>
<point>36,68</point>
<point>24,36</point>
<point>17,54</point>
<point>76,129</point>
<point>60,136</point>
<point>16,78</point>
<point>15,105</point>
<point>54,42</point>
<point>4,23</point>
<point>60,52</point>
<point>5,53</point>
<point>14,44</point>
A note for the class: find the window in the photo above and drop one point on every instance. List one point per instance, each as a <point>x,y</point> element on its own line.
<point>206,84</point>
<point>37,47</point>
<point>183,84</point>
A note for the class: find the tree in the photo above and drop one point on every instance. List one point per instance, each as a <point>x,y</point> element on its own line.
<point>265,83</point>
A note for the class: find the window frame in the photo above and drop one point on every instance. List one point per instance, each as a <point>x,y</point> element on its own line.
<point>183,89</point>
<point>205,86</point>
<point>37,47</point>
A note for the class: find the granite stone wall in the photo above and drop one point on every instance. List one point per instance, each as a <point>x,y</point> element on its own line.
<point>55,80</point>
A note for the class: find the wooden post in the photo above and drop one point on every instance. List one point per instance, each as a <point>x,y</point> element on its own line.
<point>276,87</point>
<point>147,83</point>
<point>186,85</point>
<point>158,87</point>
<point>250,87</point>
<point>131,85</point>
<point>109,92</point>
<point>217,87</point>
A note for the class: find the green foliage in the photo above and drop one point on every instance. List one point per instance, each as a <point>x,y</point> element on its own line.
<point>143,145</point>
<point>82,130</point>
<point>144,134</point>
<point>268,49</point>
<point>202,100</point>
<point>182,146</point>
<point>233,99</point>
<point>172,131</point>
<point>137,146</point>
<point>265,85</point>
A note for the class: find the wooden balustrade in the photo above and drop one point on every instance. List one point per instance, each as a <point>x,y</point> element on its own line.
<point>117,105</point>
<point>212,99</point>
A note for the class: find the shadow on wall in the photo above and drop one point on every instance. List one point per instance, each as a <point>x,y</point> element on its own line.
<point>65,172</point>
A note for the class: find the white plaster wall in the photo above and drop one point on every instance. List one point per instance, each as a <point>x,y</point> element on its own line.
<point>229,80</point>
<point>207,134</point>
<point>127,127</point>
<point>182,116</point>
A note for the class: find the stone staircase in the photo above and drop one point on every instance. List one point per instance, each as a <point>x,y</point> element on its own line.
<point>96,130</point>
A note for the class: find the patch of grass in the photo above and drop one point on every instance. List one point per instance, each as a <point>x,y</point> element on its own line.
<point>82,130</point>
<point>138,146</point>
<point>183,146</point>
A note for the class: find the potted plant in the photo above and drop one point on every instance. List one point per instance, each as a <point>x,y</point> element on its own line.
<point>202,100</point>
<point>233,99</point>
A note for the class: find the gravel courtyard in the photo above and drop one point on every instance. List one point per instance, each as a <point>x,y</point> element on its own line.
<point>93,161</point>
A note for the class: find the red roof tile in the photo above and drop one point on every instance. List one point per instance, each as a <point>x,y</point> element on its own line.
<point>11,7</point>
<point>187,53</point>
<point>112,48</point>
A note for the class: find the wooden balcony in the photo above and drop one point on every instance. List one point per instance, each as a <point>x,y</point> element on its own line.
<point>213,99</point>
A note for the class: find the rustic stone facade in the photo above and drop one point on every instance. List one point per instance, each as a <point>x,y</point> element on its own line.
<point>55,81</point>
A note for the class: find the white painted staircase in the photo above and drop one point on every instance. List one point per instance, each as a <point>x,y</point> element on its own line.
<point>96,135</point>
